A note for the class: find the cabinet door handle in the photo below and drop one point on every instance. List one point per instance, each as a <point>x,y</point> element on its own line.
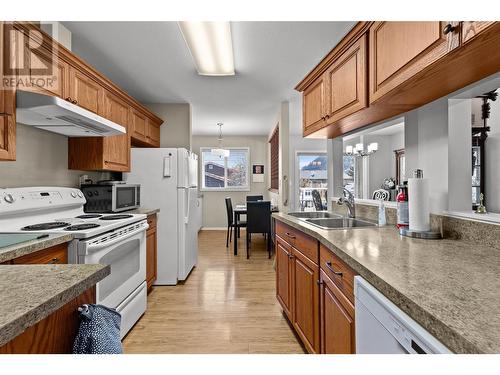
<point>74,102</point>
<point>449,28</point>
<point>54,261</point>
<point>319,282</point>
<point>290,235</point>
<point>329,266</point>
<point>291,256</point>
<point>69,99</point>
<point>327,116</point>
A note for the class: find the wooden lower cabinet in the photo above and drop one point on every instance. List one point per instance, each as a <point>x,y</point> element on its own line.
<point>305,276</point>
<point>53,335</point>
<point>320,309</point>
<point>336,319</point>
<point>53,255</point>
<point>284,276</point>
<point>151,251</point>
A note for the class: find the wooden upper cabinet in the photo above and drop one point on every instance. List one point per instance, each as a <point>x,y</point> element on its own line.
<point>56,85</point>
<point>84,90</point>
<point>470,29</point>
<point>347,83</point>
<point>7,137</point>
<point>139,124</point>
<point>116,148</point>
<point>153,134</point>
<point>313,102</point>
<point>284,276</point>
<point>400,50</point>
<point>337,319</point>
<point>305,310</point>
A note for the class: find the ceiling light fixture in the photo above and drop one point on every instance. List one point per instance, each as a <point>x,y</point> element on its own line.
<point>220,152</point>
<point>211,46</point>
<point>358,149</point>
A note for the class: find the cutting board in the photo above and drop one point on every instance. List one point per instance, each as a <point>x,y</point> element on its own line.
<point>13,239</point>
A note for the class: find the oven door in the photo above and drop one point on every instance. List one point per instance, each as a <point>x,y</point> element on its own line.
<point>124,250</point>
<point>125,197</point>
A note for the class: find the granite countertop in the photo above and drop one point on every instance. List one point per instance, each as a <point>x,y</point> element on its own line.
<point>145,211</point>
<point>450,287</point>
<point>30,293</point>
<point>15,251</point>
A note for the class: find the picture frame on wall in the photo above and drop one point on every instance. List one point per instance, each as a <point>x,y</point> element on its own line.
<point>258,173</point>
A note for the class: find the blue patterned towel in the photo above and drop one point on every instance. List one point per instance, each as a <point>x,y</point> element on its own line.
<point>99,331</point>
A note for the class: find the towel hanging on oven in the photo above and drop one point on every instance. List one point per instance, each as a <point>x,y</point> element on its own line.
<point>99,331</point>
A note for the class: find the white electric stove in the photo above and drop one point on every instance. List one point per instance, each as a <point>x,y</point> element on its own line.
<point>115,239</point>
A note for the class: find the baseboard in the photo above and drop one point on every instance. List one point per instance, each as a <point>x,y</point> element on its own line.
<point>218,228</point>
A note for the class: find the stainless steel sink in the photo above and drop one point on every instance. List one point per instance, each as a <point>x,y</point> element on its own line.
<point>340,223</point>
<point>313,215</point>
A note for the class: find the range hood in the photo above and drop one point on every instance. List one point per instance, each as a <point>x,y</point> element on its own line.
<point>60,116</point>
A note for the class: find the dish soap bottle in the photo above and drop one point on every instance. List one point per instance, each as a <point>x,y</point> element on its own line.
<point>381,213</point>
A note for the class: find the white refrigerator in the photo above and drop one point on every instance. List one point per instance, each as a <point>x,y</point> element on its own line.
<point>169,181</point>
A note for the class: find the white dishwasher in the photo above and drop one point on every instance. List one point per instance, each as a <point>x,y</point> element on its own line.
<point>383,328</point>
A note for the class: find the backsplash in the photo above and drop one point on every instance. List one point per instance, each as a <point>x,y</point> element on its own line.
<point>42,160</point>
<point>450,227</point>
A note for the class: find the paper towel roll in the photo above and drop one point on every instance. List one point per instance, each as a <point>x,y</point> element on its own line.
<point>418,204</point>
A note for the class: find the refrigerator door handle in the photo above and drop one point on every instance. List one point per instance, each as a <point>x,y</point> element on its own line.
<point>188,200</point>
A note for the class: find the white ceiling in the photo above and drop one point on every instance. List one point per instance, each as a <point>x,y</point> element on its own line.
<point>151,61</point>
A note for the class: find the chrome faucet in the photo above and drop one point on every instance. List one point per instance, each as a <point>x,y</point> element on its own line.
<point>348,201</point>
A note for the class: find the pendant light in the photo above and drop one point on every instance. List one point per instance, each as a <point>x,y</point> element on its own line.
<point>220,152</point>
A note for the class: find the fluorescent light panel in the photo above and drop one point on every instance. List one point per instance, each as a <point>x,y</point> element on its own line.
<point>211,46</point>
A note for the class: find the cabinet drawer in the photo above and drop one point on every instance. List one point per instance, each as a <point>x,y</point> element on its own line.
<point>301,241</point>
<point>339,272</point>
<point>53,255</point>
<point>152,221</point>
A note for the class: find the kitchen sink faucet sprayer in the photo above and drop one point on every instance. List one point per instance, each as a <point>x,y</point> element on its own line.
<point>348,201</point>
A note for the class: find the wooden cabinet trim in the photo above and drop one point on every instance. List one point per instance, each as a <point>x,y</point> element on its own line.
<point>7,137</point>
<point>77,63</point>
<point>284,276</point>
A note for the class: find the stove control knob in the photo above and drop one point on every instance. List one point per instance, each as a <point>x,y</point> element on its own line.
<point>8,198</point>
<point>73,194</point>
<point>80,194</point>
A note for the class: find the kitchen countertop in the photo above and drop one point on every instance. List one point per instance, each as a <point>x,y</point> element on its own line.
<point>15,251</point>
<point>450,287</point>
<point>145,211</point>
<point>30,293</point>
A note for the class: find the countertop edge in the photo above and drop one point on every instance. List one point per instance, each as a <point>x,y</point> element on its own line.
<point>145,211</point>
<point>24,248</point>
<point>454,341</point>
<point>39,312</point>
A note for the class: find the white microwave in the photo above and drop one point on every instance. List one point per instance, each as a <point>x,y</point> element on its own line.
<point>111,197</point>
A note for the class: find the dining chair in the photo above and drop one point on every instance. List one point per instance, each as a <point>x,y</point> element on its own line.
<point>255,198</point>
<point>259,221</point>
<point>316,197</point>
<point>230,221</point>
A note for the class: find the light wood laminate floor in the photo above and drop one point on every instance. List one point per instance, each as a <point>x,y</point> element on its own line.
<point>227,305</point>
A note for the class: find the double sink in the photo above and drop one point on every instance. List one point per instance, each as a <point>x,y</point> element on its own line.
<point>327,220</point>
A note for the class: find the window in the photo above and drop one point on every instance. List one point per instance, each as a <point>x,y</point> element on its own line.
<point>312,175</point>
<point>229,173</point>
<point>274,143</point>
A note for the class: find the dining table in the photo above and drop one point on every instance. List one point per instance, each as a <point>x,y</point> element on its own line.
<point>241,209</point>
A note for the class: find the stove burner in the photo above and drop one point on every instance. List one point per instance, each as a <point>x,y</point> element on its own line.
<point>115,217</point>
<point>82,227</point>
<point>46,226</point>
<point>88,216</point>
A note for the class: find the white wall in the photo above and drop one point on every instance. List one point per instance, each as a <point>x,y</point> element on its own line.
<point>42,160</point>
<point>176,129</point>
<point>426,148</point>
<point>492,173</point>
<point>214,208</point>
<point>282,197</point>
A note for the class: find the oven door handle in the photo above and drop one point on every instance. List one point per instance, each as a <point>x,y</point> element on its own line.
<point>96,247</point>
